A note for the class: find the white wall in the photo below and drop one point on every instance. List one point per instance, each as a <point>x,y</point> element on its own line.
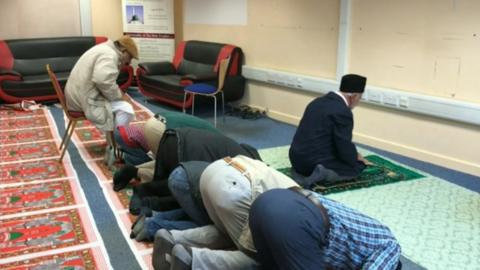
<point>39,18</point>
<point>301,37</point>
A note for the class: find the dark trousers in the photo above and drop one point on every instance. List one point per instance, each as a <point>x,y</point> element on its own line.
<point>288,231</point>
<point>155,195</point>
<point>321,176</point>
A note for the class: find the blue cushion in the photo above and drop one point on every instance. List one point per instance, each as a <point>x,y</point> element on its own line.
<point>201,88</point>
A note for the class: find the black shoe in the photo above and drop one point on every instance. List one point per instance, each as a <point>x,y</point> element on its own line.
<point>181,258</point>
<point>123,176</point>
<point>137,226</point>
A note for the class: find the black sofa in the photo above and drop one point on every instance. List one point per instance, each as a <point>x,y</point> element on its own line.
<point>22,66</point>
<point>194,61</point>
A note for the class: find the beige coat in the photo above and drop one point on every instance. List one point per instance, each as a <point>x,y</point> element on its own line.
<point>215,180</point>
<point>92,84</point>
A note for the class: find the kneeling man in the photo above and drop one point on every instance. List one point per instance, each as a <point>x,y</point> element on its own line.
<point>322,150</point>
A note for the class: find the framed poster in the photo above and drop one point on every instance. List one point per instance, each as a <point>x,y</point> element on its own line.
<point>150,24</point>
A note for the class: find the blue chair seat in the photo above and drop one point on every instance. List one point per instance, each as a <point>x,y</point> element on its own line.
<point>209,90</point>
<point>201,88</point>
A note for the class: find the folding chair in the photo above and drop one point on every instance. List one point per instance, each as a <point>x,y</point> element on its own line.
<point>205,89</point>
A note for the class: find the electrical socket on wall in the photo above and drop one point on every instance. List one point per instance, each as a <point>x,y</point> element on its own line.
<point>389,99</point>
<point>404,102</point>
<point>375,97</point>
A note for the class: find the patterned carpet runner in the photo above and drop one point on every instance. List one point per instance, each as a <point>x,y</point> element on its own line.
<point>44,221</point>
<point>91,145</point>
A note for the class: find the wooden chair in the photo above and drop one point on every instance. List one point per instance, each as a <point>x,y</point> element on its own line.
<point>73,116</point>
<point>209,90</point>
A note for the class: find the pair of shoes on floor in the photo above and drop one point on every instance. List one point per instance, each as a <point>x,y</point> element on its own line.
<point>123,176</point>
<point>139,231</point>
<point>169,255</point>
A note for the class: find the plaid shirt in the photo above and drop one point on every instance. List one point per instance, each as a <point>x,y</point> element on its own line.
<point>134,136</point>
<point>356,241</point>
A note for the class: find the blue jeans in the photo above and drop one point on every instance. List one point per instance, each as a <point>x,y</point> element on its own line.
<point>180,188</point>
<point>131,155</point>
<point>171,220</point>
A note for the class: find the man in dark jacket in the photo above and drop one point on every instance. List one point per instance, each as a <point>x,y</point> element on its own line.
<point>184,183</point>
<point>149,135</point>
<point>181,145</point>
<point>322,150</point>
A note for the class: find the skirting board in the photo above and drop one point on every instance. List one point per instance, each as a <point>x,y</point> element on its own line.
<point>405,150</point>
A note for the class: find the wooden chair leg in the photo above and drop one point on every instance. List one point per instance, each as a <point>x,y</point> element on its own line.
<point>116,151</point>
<point>65,134</point>
<point>67,140</point>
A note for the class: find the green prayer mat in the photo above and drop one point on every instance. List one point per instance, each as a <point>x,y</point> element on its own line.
<point>383,172</point>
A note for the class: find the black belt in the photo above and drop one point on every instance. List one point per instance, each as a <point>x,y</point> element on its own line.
<point>310,196</point>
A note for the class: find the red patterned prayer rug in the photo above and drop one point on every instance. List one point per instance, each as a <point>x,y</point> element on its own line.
<point>31,171</point>
<point>96,150</point>
<point>44,221</point>
<point>88,259</point>
<point>23,123</point>
<point>34,233</point>
<point>19,114</point>
<point>28,151</point>
<point>90,133</point>
<point>31,197</point>
<point>25,136</point>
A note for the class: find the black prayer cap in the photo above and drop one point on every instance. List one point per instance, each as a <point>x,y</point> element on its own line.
<point>353,83</point>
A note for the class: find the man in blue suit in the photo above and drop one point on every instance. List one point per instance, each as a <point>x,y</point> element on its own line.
<point>322,150</point>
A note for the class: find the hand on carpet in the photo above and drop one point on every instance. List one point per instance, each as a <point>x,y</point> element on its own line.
<point>123,176</point>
